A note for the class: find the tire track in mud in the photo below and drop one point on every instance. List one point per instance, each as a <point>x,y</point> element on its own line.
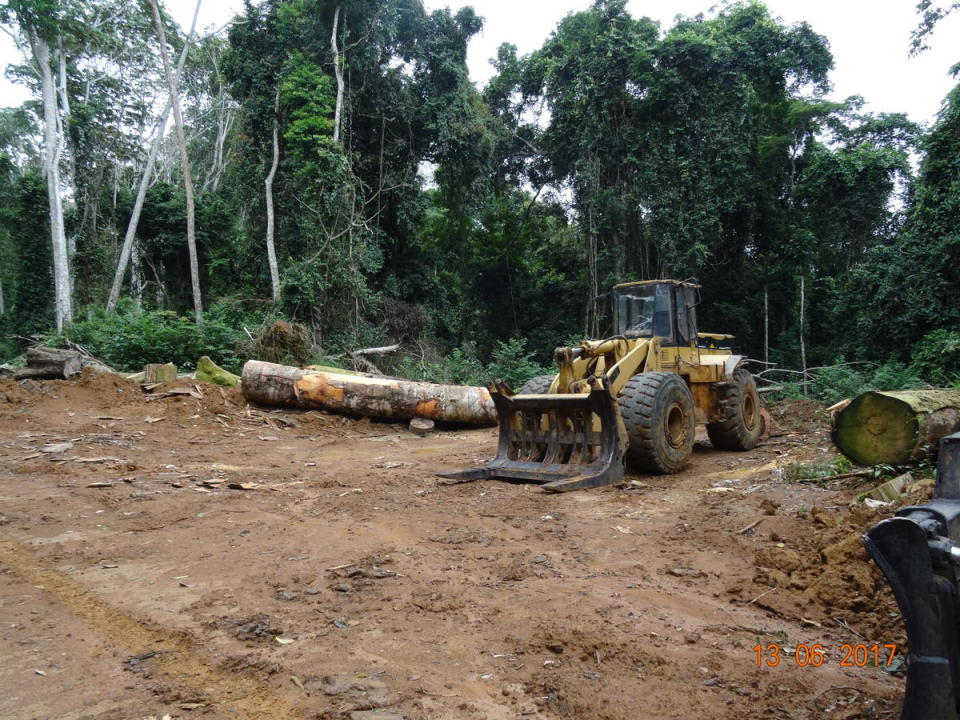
<point>179,662</point>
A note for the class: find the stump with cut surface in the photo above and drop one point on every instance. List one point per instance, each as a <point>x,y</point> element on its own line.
<point>159,373</point>
<point>421,426</point>
<point>894,428</point>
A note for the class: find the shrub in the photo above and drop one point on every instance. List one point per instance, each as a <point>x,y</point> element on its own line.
<point>510,362</point>
<point>129,340</point>
<point>936,358</point>
<point>832,384</point>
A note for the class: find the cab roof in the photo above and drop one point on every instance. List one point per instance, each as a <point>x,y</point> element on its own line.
<point>656,282</point>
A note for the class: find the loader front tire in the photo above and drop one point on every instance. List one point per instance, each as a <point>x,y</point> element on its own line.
<point>536,385</point>
<point>658,414</point>
<point>740,406</point>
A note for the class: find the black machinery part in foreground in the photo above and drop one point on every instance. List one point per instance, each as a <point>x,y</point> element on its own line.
<point>563,454</point>
<point>919,552</point>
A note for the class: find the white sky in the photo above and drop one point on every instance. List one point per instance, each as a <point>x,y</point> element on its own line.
<point>869,39</point>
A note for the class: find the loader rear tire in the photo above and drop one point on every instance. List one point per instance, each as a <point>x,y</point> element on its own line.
<point>740,405</point>
<point>536,385</point>
<point>658,414</point>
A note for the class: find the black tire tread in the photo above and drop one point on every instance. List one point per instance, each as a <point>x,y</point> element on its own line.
<point>536,385</point>
<point>638,403</point>
<point>731,433</point>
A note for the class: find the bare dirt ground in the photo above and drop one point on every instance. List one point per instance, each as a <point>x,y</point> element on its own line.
<point>194,557</point>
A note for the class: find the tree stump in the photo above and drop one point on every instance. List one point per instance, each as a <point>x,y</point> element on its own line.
<point>157,373</point>
<point>421,426</point>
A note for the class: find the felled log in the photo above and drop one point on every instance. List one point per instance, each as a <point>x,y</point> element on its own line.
<point>88,360</point>
<point>379,397</point>
<point>895,428</point>
<point>209,371</point>
<point>51,363</point>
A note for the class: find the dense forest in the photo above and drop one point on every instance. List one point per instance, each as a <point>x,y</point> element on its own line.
<point>168,192</point>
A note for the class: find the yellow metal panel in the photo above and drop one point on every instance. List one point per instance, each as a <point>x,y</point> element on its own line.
<point>652,282</point>
<point>706,401</point>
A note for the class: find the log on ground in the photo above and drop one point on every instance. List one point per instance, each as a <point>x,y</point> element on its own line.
<point>381,397</point>
<point>51,363</point>
<point>895,428</point>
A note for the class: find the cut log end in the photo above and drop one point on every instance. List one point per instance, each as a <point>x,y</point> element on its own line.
<point>52,363</point>
<point>895,428</point>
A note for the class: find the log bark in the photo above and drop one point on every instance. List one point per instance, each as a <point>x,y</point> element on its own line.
<point>380,397</point>
<point>209,371</point>
<point>895,428</point>
<point>51,363</point>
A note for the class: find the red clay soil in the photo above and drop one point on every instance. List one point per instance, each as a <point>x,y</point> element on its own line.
<point>195,557</point>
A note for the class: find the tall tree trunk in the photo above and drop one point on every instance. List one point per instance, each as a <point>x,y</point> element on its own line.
<point>136,276</point>
<point>766,325</point>
<point>338,71</point>
<point>3,309</point>
<point>268,189</point>
<point>803,347</point>
<point>63,298</point>
<point>184,162</point>
<point>63,118</point>
<point>128,239</point>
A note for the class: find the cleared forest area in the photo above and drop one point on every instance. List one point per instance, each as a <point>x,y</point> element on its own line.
<point>198,557</point>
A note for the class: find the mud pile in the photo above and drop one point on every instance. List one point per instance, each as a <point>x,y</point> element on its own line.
<point>829,576</point>
<point>180,399</point>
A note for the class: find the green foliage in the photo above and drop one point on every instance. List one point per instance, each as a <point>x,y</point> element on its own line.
<point>30,298</point>
<point>513,364</point>
<point>936,357</point>
<point>847,380</point>
<point>813,473</point>
<point>129,340</point>
<point>306,91</point>
<point>510,362</point>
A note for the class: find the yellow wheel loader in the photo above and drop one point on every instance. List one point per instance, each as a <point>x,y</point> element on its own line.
<point>635,397</point>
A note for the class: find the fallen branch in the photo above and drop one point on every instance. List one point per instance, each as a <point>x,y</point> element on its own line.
<point>360,362</point>
<point>748,528</point>
<point>385,350</point>
<point>842,476</point>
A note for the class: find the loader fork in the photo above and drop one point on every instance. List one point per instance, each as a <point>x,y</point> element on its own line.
<point>552,439</point>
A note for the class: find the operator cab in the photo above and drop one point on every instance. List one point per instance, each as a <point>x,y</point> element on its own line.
<point>657,308</point>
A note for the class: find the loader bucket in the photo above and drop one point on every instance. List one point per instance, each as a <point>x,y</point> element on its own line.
<point>551,439</point>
